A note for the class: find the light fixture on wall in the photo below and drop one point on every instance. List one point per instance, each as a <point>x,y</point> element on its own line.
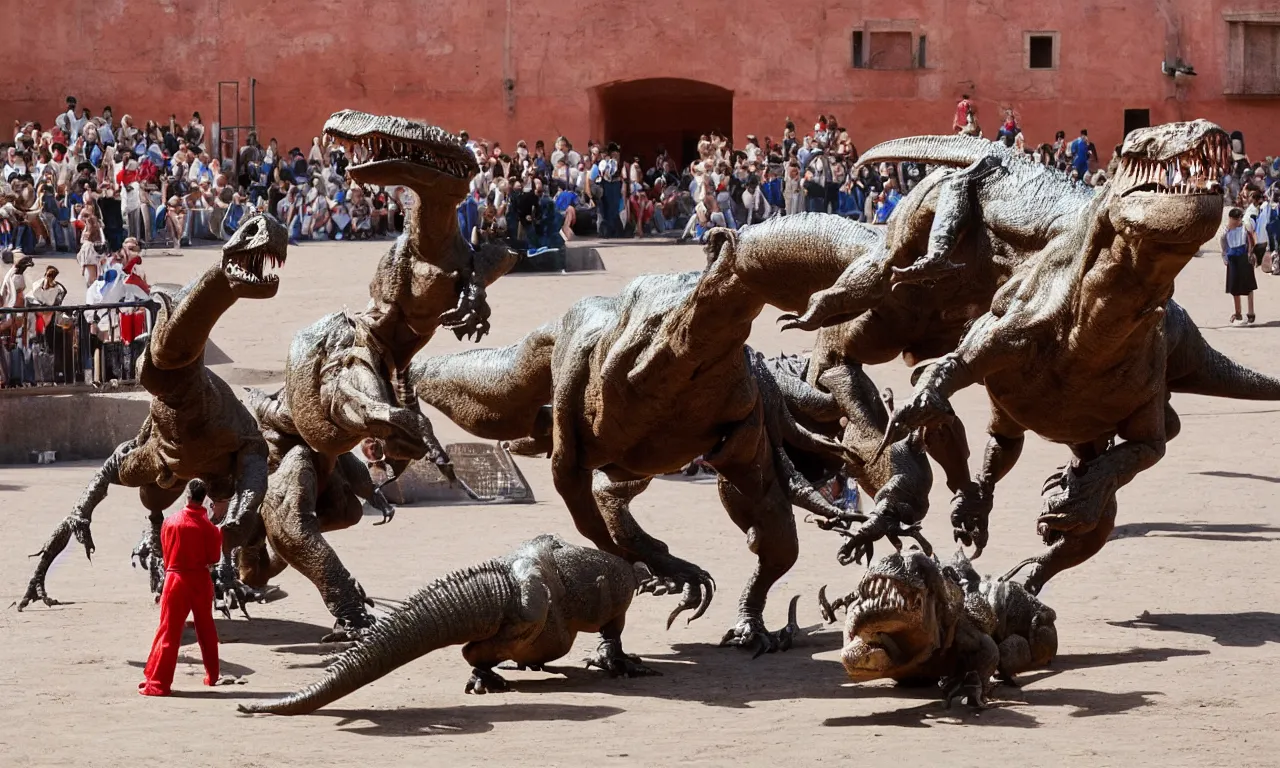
<point>1178,68</point>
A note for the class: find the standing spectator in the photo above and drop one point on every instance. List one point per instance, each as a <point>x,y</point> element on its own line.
<point>815,193</point>
<point>110,208</point>
<point>793,189</point>
<point>1237,246</point>
<point>964,111</point>
<point>93,245</point>
<point>1080,149</point>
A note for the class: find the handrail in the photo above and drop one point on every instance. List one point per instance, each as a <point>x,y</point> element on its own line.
<point>148,304</point>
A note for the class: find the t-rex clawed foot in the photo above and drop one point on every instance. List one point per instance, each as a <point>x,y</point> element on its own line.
<point>230,593</point>
<point>668,575</point>
<point>969,687</point>
<point>859,546</point>
<point>970,513</point>
<point>57,542</point>
<point>470,318</point>
<point>610,657</point>
<point>486,681</point>
<point>1075,498</point>
<point>829,608</point>
<point>750,632</point>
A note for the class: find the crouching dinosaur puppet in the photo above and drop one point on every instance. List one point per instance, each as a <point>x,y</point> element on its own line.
<point>1084,343</point>
<point>195,428</point>
<point>621,389</point>
<point>527,607</point>
<point>914,619</point>
<point>345,375</point>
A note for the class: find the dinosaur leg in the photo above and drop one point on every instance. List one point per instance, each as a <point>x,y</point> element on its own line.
<point>757,502</point>
<point>289,514</point>
<point>243,512</point>
<point>156,500</point>
<point>898,478</point>
<point>971,506</point>
<point>258,563</point>
<point>670,573</point>
<point>356,474</point>
<point>77,523</point>
<point>610,657</point>
<point>977,658</point>
<point>953,213</point>
<point>361,405</point>
<point>990,345</point>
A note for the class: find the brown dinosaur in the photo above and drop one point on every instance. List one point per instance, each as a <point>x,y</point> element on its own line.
<point>1084,344</point>
<point>642,383</point>
<point>195,428</point>
<point>914,619</point>
<point>526,607</point>
<point>345,376</point>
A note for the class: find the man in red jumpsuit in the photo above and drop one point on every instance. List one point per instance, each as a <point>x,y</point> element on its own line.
<point>191,543</point>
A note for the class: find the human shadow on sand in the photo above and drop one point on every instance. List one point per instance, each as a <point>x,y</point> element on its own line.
<point>226,667</point>
<point>1203,531</point>
<point>1250,629</point>
<point>460,720</point>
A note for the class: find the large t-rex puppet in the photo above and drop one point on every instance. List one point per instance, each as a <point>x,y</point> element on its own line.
<point>345,376</point>
<point>195,428</point>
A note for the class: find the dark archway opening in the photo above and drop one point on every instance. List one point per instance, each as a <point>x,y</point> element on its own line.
<point>643,116</point>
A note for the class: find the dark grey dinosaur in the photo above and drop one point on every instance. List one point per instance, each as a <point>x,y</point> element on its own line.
<point>526,607</point>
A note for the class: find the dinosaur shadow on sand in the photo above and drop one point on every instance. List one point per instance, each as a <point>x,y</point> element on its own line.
<point>458,721</point>
<point>1006,710</point>
<point>1249,629</point>
<point>1240,476</point>
<point>268,631</point>
<point>226,667</point>
<point>1203,531</point>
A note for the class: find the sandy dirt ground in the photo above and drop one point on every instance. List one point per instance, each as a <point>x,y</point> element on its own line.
<point>1168,638</point>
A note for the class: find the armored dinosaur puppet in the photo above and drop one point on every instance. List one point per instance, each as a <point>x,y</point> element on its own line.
<point>642,383</point>
<point>195,428</point>
<point>1084,344</point>
<point>345,375</point>
<point>913,619</point>
<point>526,607</point>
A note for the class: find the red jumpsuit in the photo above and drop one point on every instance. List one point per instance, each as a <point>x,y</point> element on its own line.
<point>191,544</point>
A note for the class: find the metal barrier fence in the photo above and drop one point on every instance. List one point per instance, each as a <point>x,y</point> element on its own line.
<point>69,345</point>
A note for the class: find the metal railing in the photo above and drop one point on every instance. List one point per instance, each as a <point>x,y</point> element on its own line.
<point>73,345</point>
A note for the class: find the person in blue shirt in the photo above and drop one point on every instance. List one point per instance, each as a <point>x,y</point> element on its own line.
<point>1080,153</point>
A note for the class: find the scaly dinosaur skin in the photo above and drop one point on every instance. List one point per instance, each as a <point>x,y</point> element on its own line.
<point>1077,344</point>
<point>196,428</point>
<point>915,619</point>
<point>345,376</point>
<point>526,607</point>
<point>642,383</point>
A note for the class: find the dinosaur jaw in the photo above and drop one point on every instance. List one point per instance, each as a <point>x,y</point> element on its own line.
<point>1176,159</point>
<point>259,244</point>
<point>418,155</point>
<point>892,626</point>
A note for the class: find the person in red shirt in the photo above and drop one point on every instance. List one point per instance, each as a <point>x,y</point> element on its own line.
<point>963,108</point>
<point>191,543</point>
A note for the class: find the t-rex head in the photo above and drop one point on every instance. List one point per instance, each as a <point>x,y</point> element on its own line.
<point>1165,185</point>
<point>905,609</point>
<point>427,159</point>
<point>259,242</point>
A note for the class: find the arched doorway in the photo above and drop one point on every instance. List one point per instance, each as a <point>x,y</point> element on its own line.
<point>645,115</point>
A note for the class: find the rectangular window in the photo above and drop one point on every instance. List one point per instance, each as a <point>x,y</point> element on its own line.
<point>891,50</point>
<point>1040,52</point>
<point>1135,119</point>
<point>1253,53</point>
<point>921,58</point>
<point>858,61</point>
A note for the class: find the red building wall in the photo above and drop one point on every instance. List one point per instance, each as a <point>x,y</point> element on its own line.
<point>508,69</point>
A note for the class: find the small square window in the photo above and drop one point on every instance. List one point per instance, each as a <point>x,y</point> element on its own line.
<point>1040,52</point>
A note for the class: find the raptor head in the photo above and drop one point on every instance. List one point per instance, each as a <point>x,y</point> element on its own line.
<point>1166,182</point>
<point>259,243</point>
<point>418,155</point>
<point>905,611</point>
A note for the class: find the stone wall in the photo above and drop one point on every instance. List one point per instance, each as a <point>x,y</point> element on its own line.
<point>78,426</point>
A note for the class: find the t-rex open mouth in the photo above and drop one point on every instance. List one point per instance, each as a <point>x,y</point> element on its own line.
<point>389,139</point>
<point>1147,165</point>
<point>260,242</point>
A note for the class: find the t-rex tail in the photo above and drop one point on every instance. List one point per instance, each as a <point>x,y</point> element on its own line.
<point>1196,368</point>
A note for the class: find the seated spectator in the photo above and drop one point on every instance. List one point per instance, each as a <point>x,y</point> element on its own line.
<point>361,214</point>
